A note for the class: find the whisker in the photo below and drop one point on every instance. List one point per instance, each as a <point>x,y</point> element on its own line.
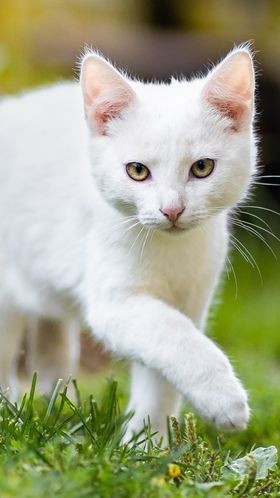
<point>263,208</point>
<point>253,231</point>
<point>257,217</point>
<point>152,235</point>
<point>227,270</point>
<point>130,227</point>
<point>132,216</point>
<point>267,184</point>
<point>262,228</point>
<point>268,176</point>
<point>144,243</point>
<point>124,223</point>
<point>249,258</point>
<point>126,220</point>
<point>141,243</point>
<point>243,254</point>
<point>136,238</point>
<point>234,276</point>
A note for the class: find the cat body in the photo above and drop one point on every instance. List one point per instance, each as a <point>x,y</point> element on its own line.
<point>84,241</point>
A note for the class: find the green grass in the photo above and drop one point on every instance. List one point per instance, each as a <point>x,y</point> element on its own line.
<point>58,448</point>
<point>62,449</point>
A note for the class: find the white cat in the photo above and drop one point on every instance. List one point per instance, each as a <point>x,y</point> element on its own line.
<point>125,228</point>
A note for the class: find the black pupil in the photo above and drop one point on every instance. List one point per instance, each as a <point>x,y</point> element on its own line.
<point>139,168</point>
<point>201,164</point>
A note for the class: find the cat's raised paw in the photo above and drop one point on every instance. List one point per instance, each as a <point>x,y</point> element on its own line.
<point>224,403</point>
<point>234,418</point>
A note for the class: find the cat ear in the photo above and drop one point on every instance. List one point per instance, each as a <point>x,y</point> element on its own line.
<point>106,93</point>
<point>230,88</point>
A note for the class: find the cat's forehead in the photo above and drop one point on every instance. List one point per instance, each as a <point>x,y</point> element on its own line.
<point>169,123</point>
<point>175,97</point>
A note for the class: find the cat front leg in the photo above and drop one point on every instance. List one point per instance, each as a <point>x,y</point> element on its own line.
<point>152,398</point>
<point>148,330</point>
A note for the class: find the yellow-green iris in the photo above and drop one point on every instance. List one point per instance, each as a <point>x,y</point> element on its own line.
<point>137,171</point>
<point>203,168</point>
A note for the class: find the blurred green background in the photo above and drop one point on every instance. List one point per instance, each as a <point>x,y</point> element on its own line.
<point>40,41</point>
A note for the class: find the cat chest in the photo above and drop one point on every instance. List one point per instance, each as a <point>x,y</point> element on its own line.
<point>182,272</point>
<point>183,280</point>
<point>185,277</point>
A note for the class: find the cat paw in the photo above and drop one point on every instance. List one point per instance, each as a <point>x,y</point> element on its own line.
<point>232,411</point>
<point>223,402</point>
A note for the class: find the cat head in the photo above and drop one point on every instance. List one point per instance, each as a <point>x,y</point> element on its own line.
<point>171,154</point>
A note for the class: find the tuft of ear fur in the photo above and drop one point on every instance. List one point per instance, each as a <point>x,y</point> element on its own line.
<point>230,88</point>
<point>106,93</point>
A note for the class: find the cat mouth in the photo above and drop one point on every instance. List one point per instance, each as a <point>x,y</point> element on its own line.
<point>175,229</point>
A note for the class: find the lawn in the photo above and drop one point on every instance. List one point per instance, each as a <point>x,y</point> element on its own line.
<point>62,449</point>
<point>56,448</point>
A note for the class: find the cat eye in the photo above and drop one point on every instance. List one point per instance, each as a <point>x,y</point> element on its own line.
<point>137,171</point>
<point>203,168</point>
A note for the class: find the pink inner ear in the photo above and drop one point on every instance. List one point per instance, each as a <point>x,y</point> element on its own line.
<point>102,114</point>
<point>108,106</point>
<point>236,111</point>
<point>230,89</point>
<point>106,93</point>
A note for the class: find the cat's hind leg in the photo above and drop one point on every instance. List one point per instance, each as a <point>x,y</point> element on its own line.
<point>53,351</point>
<point>12,326</point>
<point>152,399</point>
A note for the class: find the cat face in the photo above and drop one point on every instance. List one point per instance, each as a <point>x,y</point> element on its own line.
<point>172,154</point>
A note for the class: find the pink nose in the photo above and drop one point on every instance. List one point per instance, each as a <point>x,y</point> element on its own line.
<point>172,214</point>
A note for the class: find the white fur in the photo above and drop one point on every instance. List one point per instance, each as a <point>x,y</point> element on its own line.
<point>68,250</point>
